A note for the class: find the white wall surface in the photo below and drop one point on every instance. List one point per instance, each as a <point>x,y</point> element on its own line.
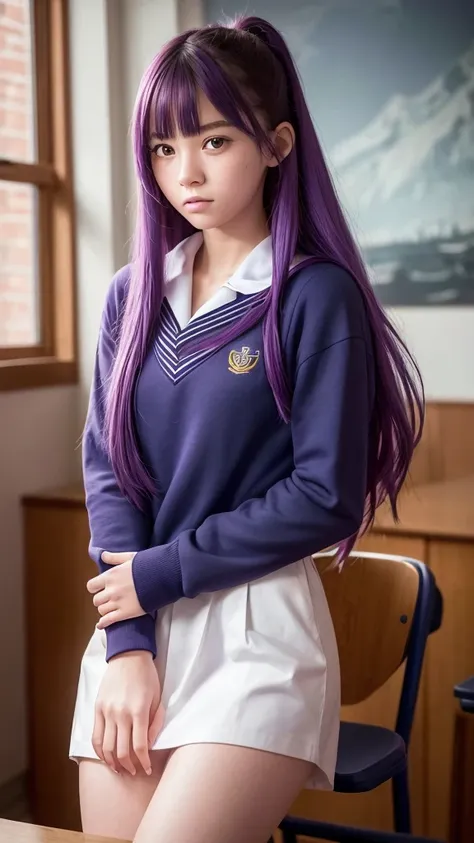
<point>442,340</point>
<point>38,432</point>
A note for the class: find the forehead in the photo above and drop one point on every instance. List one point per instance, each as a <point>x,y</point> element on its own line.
<point>206,112</point>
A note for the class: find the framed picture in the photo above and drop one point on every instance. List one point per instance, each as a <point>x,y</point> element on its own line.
<point>390,86</point>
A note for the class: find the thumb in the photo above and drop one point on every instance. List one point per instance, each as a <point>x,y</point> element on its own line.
<point>115,558</point>
<point>156,724</point>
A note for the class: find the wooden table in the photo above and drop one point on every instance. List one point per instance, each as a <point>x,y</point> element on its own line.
<point>13,832</point>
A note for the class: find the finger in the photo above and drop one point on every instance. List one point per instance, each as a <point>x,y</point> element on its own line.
<point>106,608</point>
<point>96,584</point>
<point>98,733</point>
<point>115,558</point>
<point>100,597</point>
<point>110,743</point>
<point>123,744</point>
<point>111,617</point>
<point>140,741</point>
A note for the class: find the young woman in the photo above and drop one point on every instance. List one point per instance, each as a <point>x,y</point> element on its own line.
<point>251,406</point>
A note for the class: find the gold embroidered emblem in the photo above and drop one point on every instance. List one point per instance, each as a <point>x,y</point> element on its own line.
<point>241,362</point>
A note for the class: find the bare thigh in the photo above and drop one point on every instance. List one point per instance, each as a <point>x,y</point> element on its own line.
<point>113,804</point>
<point>219,793</point>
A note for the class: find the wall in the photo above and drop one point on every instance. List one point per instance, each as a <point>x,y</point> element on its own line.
<point>38,436</point>
<point>442,340</point>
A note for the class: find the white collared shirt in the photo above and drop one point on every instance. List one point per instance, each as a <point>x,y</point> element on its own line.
<point>253,275</point>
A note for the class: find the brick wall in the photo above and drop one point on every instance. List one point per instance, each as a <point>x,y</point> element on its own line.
<point>17,201</point>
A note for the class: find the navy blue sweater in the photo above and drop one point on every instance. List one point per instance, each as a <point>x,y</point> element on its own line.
<point>239,493</point>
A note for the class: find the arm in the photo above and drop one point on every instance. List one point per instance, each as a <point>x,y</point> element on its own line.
<point>115,524</point>
<point>319,505</point>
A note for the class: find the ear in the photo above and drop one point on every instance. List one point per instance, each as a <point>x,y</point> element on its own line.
<point>283,138</point>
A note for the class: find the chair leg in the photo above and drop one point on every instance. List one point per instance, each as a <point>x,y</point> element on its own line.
<point>401,803</point>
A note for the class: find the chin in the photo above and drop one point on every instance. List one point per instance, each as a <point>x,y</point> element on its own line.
<point>201,225</point>
<point>209,223</point>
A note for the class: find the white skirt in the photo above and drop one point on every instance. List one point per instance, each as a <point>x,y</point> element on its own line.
<point>255,665</point>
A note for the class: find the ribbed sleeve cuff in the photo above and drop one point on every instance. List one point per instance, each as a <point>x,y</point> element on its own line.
<point>157,576</point>
<point>132,634</point>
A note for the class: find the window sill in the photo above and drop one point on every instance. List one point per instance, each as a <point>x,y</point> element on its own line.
<point>36,372</point>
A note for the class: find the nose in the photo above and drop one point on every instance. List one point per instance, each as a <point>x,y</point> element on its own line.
<point>190,171</point>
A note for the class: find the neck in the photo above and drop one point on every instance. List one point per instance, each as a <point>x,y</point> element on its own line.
<point>224,249</point>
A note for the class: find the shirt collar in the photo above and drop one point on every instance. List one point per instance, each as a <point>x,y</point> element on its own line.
<point>253,275</point>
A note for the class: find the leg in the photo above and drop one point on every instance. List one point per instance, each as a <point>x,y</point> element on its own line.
<point>219,793</point>
<point>112,805</point>
<point>401,803</point>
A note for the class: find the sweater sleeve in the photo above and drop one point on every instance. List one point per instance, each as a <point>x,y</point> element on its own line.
<point>115,524</point>
<point>320,504</point>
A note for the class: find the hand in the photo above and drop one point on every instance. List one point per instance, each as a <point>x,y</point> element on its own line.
<point>129,713</point>
<point>114,591</point>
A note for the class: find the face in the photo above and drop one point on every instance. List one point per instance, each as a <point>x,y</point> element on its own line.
<point>222,166</point>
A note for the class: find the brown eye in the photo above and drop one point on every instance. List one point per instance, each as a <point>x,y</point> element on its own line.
<point>216,143</point>
<point>161,150</point>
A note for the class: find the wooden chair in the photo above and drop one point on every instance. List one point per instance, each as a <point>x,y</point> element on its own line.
<point>383,609</point>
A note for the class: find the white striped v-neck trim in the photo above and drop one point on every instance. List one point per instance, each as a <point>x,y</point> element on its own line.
<point>170,345</point>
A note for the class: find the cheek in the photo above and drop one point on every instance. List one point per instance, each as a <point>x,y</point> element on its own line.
<point>154,167</point>
<point>244,178</point>
<point>164,178</point>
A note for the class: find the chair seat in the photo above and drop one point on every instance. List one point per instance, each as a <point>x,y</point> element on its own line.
<point>367,756</point>
<point>465,693</point>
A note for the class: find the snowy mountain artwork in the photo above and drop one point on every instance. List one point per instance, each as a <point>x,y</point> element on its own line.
<point>390,86</point>
<point>410,173</point>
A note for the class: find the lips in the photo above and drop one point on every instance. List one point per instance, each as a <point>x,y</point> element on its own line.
<point>194,199</point>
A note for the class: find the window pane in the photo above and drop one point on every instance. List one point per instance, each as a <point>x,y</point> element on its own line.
<point>17,132</point>
<point>19,323</point>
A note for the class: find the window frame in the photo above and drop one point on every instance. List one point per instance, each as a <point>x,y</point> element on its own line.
<point>53,360</point>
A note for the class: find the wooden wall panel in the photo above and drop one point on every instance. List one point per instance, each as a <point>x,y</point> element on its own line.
<point>446,450</point>
<point>61,619</point>
<point>449,660</point>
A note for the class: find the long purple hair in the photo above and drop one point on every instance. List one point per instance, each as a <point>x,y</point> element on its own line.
<point>245,68</point>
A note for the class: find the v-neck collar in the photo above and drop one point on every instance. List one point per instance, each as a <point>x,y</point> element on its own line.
<point>178,332</point>
<point>175,347</point>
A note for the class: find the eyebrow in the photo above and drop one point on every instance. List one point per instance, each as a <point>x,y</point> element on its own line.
<point>207,127</point>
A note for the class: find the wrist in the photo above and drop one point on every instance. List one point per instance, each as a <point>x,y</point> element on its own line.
<point>141,655</point>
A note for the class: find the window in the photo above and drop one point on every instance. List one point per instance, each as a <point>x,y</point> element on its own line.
<point>37,330</point>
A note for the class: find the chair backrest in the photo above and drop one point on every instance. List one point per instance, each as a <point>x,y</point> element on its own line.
<point>378,618</point>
